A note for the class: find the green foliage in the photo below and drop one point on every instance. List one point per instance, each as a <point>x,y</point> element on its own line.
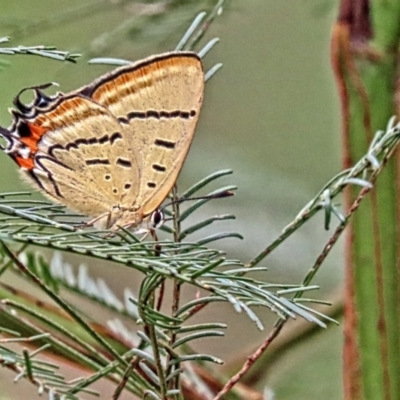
<point>154,359</point>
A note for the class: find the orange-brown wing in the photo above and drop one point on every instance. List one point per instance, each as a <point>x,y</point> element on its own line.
<point>76,152</point>
<point>157,101</point>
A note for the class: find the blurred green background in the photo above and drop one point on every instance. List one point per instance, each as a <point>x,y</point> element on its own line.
<point>271,114</point>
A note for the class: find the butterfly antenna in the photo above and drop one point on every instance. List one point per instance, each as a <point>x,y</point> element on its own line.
<point>226,193</point>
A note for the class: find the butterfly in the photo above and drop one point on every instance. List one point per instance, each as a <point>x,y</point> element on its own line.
<point>111,150</point>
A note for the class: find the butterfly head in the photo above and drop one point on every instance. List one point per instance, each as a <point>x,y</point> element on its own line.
<point>132,218</point>
<point>154,221</point>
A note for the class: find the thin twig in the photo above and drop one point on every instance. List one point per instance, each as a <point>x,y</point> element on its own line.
<point>8,263</point>
<point>42,51</point>
<point>118,390</point>
<point>307,279</point>
<point>174,383</point>
<point>206,24</point>
<point>26,271</point>
<point>156,353</point>
<point>381,145</point>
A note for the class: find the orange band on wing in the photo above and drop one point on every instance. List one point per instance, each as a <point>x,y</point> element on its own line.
<point>32,141</point>
<point>25,162</point>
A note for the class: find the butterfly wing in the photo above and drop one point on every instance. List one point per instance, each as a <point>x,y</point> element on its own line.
<point>119,142</point>
<point>157,101</point>
<point>66,150</point>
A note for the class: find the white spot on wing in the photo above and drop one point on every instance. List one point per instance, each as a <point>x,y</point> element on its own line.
<point>24,152</point>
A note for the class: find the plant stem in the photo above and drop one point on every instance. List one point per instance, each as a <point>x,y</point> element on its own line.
<point>307,279</point>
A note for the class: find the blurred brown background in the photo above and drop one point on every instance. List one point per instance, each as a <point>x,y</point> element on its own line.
<point>271,115</point>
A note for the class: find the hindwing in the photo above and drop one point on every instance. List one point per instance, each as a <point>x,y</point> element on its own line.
<point>118,143</point>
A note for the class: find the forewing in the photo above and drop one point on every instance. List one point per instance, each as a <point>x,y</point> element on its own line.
<point>157,101</point>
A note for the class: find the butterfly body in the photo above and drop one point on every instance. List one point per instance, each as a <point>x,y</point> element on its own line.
<point>113,149</point>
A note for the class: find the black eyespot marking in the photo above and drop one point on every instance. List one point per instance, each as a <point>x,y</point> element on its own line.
<point>107,177</point>
<point>157,218</point>
<point>124,163</point>
<point>164,143</point>
<point>159,168</point>
<point>192,113</point>
<point>97,161</point>
<point>115,191</point>
<point>151,185</point>
<point>23,130</point>
<point>127,186</point>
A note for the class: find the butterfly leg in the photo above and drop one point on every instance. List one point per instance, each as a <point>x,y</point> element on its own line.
<point>145,236</point>
<point>93,221</point>
<point>157,247</point>
<point>151,232</point>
